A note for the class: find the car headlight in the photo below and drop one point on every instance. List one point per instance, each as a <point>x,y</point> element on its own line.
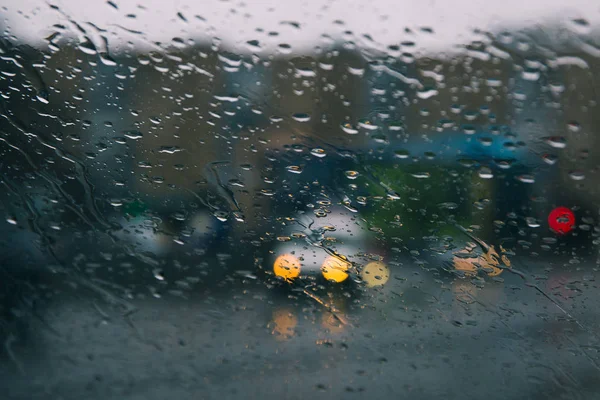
<point>375,274</point>
<point>287,267</point>
<point>335,269</point>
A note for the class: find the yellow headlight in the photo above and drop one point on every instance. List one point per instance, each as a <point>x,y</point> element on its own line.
<point>334,269</point>
<point>287,266</point>
<point>375,274</point>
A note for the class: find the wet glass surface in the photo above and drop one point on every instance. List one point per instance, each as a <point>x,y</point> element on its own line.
<point>229,200</point>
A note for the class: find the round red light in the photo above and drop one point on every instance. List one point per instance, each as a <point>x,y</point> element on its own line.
<point>561,220</point>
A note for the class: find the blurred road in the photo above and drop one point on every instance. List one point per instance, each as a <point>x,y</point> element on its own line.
<point>422,336</point>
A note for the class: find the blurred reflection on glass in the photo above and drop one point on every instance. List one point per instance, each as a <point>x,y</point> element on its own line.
<point>283,323</point>
<point>333,324</point>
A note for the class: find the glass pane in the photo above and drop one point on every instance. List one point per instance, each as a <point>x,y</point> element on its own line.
<point>229,199</point>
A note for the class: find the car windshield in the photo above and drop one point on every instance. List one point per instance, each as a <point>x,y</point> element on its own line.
<point>289,200</point>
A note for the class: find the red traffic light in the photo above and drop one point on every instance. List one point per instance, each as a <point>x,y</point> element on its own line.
<point>561,220</point>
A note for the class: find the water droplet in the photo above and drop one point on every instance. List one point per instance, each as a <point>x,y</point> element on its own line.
<point>318,152</point>
<point>284,48</point>
<point>159,275</point>
<point>580,22</point>
<point>295,169</point>
<point>349,129</point>
<point>236,182</point>
<point>320,213</point>
<point>134,135</point>
<point>448,206</point>
<point>526,178</point>
<point>558,142</point>
<point>580,26</point>
<point>485,173</point>
<point>510,146</point>
<point>220,215</point>
<point>253,45</point>
<point>574,126</point>
<point>352,174</point>
<point>550,159</point>
<point>365,123</point>
<point>348,205</point>
<point>504,164</point>
<point>301,117</point>
<point>325,66</point>
<point>228,99</point>
<point>107,60</point>
<point>395,126</point>
<point>42,98</point>
<point>532,222</point>
<point>356,71</point>
<point>267,192</point>
<point>306,72</point>
<point>531,74</point>
<point>169,149</point>
<point>427,93</point>
<point>401,154</point>
<point>577,175</point>
<point>493,82</point>
<point>238,216</point>
<point>230,60</point>
<point>469,129</point>
<point>485,141</point>
<point>87,47</point>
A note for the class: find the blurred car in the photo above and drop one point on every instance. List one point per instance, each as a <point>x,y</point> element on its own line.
<point>332,245</point>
